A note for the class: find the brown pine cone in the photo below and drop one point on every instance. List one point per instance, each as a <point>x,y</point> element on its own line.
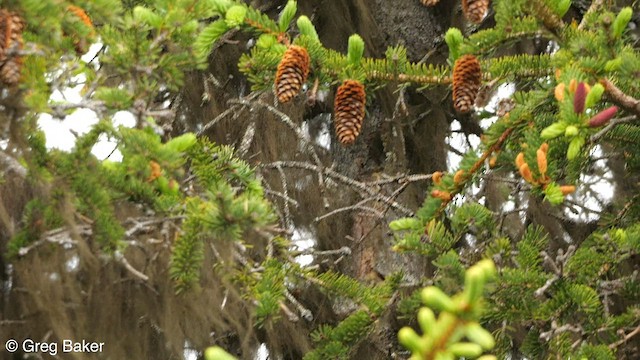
<point>349,111</point>
<point>429,2</point>
<point>292,73</point>
<point>474,10</point>
<point>467,78</point>
<point>11,26</point>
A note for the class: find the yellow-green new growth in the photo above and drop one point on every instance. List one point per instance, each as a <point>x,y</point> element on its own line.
<point>356,49</point>
<point>287,15</point>
<point>217,353</point>
<point>621,21</point>
<point>454,40</point>
<point>455,332</point>
<point>306,27</point>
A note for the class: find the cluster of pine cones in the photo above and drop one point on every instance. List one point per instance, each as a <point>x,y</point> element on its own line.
<point>349,105</point>
<point>11,26</point>
<point>474,10</point>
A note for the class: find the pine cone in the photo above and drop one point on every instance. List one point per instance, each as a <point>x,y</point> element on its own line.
<point>429,2</point>
<point>292,73</point>
<point>10,72</point>
<point>467,78</point>
<point>349,111</point>
<point>474,10</point>
<point>11,26</point>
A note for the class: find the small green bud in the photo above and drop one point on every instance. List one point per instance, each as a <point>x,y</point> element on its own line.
<point>553,194</point>
<point>235,15</point>
<point>162,183</point>
<point>181,143</point>
<point>356,49</point>
<point>466,349</point>
<point>571,131</point>
<point>454,39</point>
<point>287,15</point>
<point>594,95</point>
<point>427,320</point>
<point>487,357</point>
<point>562,7</point>
<point>479,335</point>
<point>110,166</point>
<point>444,355</point>
<point>442,330</point>
<point>621,21</point>
<point>266,41</point>
<point>216,353</point>
<point>411,340</point>
<point>306,27</point>
<point>553,131</point>
<point>574,147</point>
<point>405,224</point>
<point>488,267</point>
<point>147,16</point>
<point>436,298</point>
<point>473,284</point>
<point>613,65</point>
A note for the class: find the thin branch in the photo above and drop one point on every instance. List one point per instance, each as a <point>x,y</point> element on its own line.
<point>360,186</point>
<point>57,236</point>
<point>617,96</point>
<point>626,338</point>
<point>304,312</point>
<point>357,206</point>
<point>282,196</point>
<point>613,123</point>
<point>123,260</point>
<point>287,213</point>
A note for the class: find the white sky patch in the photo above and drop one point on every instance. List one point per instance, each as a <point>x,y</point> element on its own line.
<point>58,132</point>
<point>263,352</point>
<point>303,240</point>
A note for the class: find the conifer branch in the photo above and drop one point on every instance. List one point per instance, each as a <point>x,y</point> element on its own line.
<point>620,98</point>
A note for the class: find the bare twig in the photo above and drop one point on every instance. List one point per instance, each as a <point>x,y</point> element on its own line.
<point>304,312</point>
<point>359,186</point>
<point>613,123</point>
<point>357,206</point>
<point>287,213</point>
<point>57,236</point>
<point>556,330</point>
<point>626,338</point>
<point>123,260</point>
